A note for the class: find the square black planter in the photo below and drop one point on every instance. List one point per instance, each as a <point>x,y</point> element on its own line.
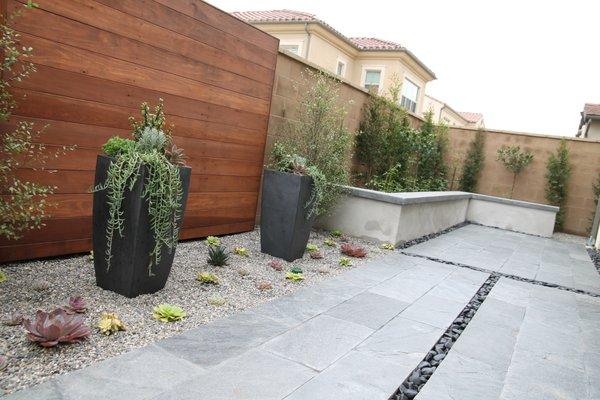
<point>128,274</point>
<point>284,222</point>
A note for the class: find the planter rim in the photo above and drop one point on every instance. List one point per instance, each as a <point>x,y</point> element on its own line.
<point>114,158</point>
<point>287,173</point>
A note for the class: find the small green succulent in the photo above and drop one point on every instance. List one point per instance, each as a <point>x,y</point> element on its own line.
<point>217,256</point>
<point>312,247</point>
<point>206,277</point>
<point>296,270</point>
<point>91,255</point>
<point>168,313</point>
<point>212,241</point>
<point>295,277</point>
<point>336,233</point>
<point>3,276</point>
<point>329,242</point>
<point>116,146</point>
<point>387,246</point>
<point>110,323</point>
<point>217,301</point>
<point>241,251</point>
<point>345,262</point>
<point>152,139</point>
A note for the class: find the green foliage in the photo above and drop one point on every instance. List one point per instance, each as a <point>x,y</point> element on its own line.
<point>241,251</point>
<point>3,276</point>
<point>23,206</point>
<point>317,144</point>
<point>387,246</point>
<point>312,247</point>
<point>514,160</point>
<point>296,270</point>
<point>345,262</point>
<point>294,277</point>
<point>212,241</point>
<point>150,121</point>
<point>557,177</point>
<point>473,163</point>
<point>217,256</point>
<point>336,233</point>
<point>207,277</point>
<point>397,157</point>
<point>168,313</point>
<point>117,145</point>
<point>162,188</point>
<point>329,242</point>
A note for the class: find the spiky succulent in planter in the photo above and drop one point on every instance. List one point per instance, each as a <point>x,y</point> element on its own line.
<point>110,323</point>
<point>168,313</point>
<point>50,329</point>
<point>217,256</point>
<point>151,147</point>
<point>212,241</point>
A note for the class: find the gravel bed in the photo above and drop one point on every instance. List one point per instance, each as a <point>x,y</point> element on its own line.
<point>595,256</point>
<point>30,364</point>
<point>421,374</point>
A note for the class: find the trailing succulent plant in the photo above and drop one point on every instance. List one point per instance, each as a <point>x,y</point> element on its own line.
<point>208,278</point>
<point>168,313</point>
<point>241,251</point>
<point>162,189</point>
<point>217,256</point>
<point>3,276</point>
<point>387,246</point>
<point>294,277</point>
<point>212,241</point>
<point>50,329</point>
<point>76,305</point>
<point>345,262</point>
<point>217,301</point>
<point>353,250</point>
<point>329,242</point>
<point>336,233</point>
<point>14,319</point>
<point>277,265</point>
<point>110,323</point>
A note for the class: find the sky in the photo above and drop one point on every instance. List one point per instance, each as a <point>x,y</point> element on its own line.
<point>527,65</point>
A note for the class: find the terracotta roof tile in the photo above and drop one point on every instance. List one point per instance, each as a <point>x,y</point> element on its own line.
<point>591,109</point>
<point>367,43</point>
<point>471,116</point>
<point>274,16</point>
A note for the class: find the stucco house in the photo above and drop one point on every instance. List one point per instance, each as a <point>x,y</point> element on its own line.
<point>443,113</point>
<point>371,63</point>
<point>589,125</point>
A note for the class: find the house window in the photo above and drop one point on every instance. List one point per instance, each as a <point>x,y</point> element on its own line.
<point>292,48</point>
<point>410,94</point>
<point>341,68</point>
<point>372,80</point>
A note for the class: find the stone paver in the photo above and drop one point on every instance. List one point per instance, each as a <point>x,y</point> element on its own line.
<point>540,344</point>
<point>526,256</point>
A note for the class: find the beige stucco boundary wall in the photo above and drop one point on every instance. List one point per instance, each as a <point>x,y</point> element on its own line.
<point>399,217</point>
<point>494,180</point>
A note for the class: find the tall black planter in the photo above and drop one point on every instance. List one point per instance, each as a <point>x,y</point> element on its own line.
<point>284,223</point>
<point>128,273</point>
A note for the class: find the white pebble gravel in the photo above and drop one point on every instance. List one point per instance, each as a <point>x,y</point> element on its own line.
<point>30,364</point>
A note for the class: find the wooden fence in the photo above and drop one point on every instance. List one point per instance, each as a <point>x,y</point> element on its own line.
<point>98,60</point>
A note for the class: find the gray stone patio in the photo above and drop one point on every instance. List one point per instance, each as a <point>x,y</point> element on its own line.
<point>359,335</point>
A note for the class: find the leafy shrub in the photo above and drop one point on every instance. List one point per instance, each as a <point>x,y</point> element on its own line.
<point>116,146</point>
<point>294,277</point>
<point>110,323</point>
<point>515,161</point>
<point>162,189</point>
<point>329,242</point>
<point>50,329</point>
<point>23,205</point>
<point>336,233</point>
<point>312,247</point>
<point>3,276</point>
<point>217,256</point>
<point>387,246</point>
<point>241,251</point>
<point>473,163</point>
<point>206,277</point>
<point>557,177</point>
<point>317,143</point>
<point>76,305</point>
<point>353,250</point>
<point>345,262</point>
<point>212,241</point>
<point>296,270</point>
<point>277,265</point>
<point>168,313</point>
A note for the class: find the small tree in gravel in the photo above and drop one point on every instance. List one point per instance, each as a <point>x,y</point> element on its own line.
<point>557,176</point>
<point>515,161</point>
<point>473,163</point>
